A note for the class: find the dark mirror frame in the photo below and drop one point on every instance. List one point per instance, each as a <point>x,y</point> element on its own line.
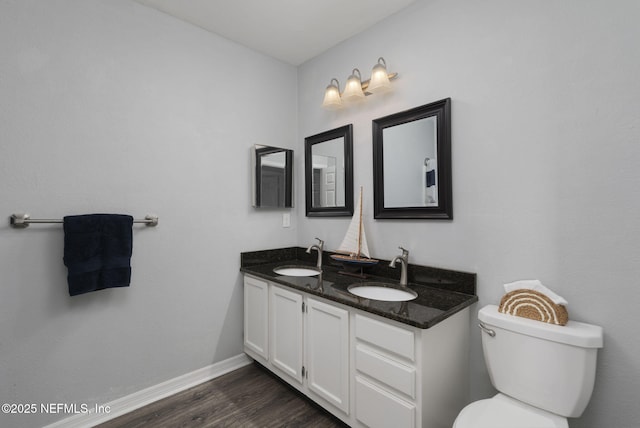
<point>345,132</point>
<point>288,176</point>
<point>444,211</point>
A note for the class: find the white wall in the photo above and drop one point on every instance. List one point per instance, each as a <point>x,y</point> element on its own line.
<point>546,184</point>
<point>109,106</point>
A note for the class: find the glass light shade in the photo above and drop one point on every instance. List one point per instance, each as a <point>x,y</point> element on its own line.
<point>379,79</point>
<point>353,88</point>
<point>332,96</point>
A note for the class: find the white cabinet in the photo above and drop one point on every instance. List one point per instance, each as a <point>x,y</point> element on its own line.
<point>256,318</point>
<point>367,370</point>
<point>327,352</point>
<point>300,323</point>
<point>302,339</point>
<point>285,328</point>
<point>385,373</point>
<point>409,377</point>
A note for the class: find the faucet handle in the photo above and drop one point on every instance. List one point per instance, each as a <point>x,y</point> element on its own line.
<point>320,242</point>
<point>405,252</point>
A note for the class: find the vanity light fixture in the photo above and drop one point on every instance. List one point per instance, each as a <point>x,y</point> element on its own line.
<point>356,89</point>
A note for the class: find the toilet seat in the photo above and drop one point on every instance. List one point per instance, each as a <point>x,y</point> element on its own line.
<point>505,412</point>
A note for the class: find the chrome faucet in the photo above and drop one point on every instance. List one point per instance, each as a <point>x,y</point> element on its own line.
<point>318,248</point>
<point>404,259</point>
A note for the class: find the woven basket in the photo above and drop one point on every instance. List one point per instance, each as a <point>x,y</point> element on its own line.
<point>534,305</point>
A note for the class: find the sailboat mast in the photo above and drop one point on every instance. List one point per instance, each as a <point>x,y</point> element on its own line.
<point>360,224</point>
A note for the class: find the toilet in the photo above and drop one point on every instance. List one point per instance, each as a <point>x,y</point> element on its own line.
<point>544,373</point>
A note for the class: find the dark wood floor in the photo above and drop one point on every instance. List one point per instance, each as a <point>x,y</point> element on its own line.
<point>248,397</point>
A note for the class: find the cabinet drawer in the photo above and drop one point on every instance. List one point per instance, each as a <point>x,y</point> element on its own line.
<point>376,407</point>
<point>388,337</point>
<point>386,370</point>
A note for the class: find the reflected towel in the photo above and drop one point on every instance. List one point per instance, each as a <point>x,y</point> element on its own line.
<point>431,178</point>
<point>97,251</point>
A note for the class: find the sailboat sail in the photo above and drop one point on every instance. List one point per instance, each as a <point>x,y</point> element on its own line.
<point>355,241</point>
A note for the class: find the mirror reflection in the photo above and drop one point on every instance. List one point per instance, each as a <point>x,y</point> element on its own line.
<point>412,163</point>
<point>329,173</point>
<point>272,176</point>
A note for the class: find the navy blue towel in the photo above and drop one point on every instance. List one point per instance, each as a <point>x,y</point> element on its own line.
<point>97,251</point>
<point>431,178</point>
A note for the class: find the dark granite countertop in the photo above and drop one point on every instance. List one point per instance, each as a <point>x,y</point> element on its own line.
<point>441,292</point>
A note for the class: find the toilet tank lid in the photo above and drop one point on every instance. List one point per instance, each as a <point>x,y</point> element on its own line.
<point>573,333</point>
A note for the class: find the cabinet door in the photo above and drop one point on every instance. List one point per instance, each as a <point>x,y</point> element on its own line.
<point>286,332</point>
<point>327,352</point>
<point>256,317</point>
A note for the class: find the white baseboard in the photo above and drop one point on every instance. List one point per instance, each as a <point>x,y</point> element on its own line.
<point>146,396</point>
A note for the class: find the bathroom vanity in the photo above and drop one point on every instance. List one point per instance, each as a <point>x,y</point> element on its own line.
<point>369,362</point>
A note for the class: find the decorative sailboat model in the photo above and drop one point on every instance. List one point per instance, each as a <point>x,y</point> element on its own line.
<point>354,250</point>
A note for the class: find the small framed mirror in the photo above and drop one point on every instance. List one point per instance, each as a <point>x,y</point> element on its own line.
<point>412,163</point>
<point>272,181</point>
<point>328,159</point>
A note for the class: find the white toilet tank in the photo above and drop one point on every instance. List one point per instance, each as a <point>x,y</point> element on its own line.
<point>548,366</point>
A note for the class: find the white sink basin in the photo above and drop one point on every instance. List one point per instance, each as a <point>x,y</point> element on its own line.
<point>296,271</point>
<point>382,291</point>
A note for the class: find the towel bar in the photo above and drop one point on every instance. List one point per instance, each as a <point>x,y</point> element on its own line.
<point>21,221</point>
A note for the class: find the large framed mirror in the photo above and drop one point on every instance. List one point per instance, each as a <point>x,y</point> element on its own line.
<point>412,163</point>
<point>272,177</point>
<point>328,159</point>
